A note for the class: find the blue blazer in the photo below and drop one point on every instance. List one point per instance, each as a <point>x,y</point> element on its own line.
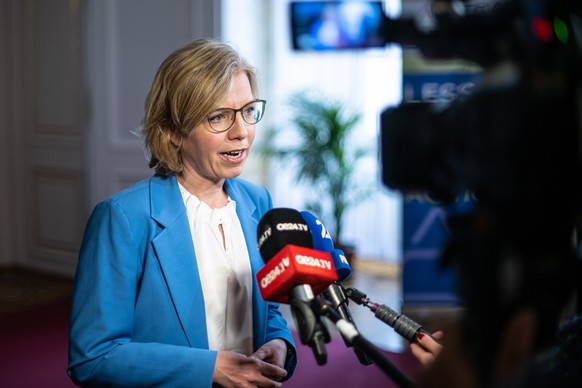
<point>138,310</point>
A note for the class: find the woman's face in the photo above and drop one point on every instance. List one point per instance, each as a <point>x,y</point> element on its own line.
<point>213,157</point>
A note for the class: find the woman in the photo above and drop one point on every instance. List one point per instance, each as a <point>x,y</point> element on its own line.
<point>165,293</point>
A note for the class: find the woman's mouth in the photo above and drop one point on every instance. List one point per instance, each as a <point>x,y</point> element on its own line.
<point>233,156</point>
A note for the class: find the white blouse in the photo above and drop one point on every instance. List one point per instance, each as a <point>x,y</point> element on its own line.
<point>225,274</point>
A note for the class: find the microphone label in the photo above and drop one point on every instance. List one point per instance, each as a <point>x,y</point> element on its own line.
<point>343,259</point>
<point>282,227</point>
<point>275,272</point>
<point>313,262</point>
<point>266,234</point>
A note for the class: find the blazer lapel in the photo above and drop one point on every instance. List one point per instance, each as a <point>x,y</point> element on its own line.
<point>175,252</point>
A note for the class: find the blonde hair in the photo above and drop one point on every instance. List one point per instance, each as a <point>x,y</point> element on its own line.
<point>187,86</point>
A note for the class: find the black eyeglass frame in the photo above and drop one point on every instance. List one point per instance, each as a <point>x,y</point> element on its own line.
<point>235,111</point>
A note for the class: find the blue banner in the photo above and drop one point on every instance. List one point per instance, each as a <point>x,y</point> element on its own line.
<point>424,230</point>
<point>424,279</point>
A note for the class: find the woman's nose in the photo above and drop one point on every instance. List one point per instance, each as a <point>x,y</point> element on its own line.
<point>239,128</point>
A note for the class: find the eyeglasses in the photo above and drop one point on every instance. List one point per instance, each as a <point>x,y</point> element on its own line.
<point>222,119</point>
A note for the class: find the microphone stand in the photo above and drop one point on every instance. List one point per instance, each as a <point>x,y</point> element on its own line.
<point>336,296</point>
<point>311,329</point>
<point>349,331</point>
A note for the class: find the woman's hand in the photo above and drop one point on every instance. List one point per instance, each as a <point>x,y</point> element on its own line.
<point>425,348</point>
<point>274,352</point>
<point>264,368</point>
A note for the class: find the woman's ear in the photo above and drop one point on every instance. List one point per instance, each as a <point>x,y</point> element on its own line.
<point>177,139</point>
<point>516,346</point>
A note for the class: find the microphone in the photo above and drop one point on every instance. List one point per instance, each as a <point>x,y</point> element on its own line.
<point>342,267</point>
<point>401,324</point>
<point>322,241</point>
<point>285,244</point>
<point>335,292</point>
<point>294,273</point>
<point>321,238</point>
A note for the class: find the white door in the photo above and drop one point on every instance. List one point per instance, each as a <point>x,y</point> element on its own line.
<point>74,76</point>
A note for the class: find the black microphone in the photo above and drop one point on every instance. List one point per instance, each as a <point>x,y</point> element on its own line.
<point>335,292</point>
<point>294,273</point>
<point>401,324</point>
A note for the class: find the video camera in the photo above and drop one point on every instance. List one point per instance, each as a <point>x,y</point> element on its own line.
<point>516,139</point>
<point>496,142</point>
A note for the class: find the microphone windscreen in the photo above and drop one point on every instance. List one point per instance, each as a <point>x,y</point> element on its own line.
<point>293,266</point>
<point>321,239</point>
<point>341,264</point>
<point>280,227</point>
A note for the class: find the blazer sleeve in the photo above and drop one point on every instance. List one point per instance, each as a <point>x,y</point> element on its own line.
<point>277,328</point>
<point>101,350</point>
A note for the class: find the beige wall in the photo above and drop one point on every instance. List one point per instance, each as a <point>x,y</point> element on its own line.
<point>73,76</point>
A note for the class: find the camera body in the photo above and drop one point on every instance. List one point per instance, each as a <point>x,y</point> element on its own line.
<point>521,125</point>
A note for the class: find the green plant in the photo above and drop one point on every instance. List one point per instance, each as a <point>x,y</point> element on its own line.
<point>322,129</point>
